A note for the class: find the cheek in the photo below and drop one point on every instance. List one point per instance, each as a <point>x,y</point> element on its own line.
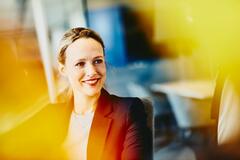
<point>75,75</point>
<point>104,75</point>
<point>102,70</point>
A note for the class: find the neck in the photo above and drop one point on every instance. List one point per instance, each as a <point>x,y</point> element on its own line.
<point>83,103</point>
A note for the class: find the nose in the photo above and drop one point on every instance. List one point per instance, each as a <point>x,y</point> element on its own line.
<point>90,70</point>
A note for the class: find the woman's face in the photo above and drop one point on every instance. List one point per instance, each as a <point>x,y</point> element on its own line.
<point>85,66</point>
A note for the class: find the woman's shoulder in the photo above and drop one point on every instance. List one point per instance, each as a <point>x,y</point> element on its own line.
<point>50,110</point>
<point>126,104</point>
<point>133,109</point>
<point>126,101</point>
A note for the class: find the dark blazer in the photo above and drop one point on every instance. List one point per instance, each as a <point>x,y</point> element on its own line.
<point>119,131</point>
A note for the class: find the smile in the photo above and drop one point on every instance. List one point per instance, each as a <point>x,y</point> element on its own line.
<point>91,81</point>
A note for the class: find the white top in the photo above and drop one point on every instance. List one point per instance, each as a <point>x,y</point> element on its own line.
<point>78,134</point>
<point>229,115</point>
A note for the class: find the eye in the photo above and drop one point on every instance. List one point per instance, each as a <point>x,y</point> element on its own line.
<point>80,64</point>
<point>98,61</point>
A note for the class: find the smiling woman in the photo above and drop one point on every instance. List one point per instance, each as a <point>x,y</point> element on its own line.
<point>102,126</point>
<point>92,124</point>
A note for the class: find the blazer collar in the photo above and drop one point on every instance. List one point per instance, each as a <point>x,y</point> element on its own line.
<point>104,106</point>
<point>100,127</point>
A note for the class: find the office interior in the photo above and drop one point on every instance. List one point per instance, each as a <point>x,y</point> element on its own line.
<point>166,51</point>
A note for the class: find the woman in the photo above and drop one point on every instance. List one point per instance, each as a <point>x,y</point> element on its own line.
<point>92,125</point>
<point>101,126</point>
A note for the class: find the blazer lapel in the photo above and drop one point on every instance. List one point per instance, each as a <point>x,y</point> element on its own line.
<point>100,126</point>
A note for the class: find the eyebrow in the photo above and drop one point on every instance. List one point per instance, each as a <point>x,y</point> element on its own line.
<point>98,57</point>
<point>84,59</point>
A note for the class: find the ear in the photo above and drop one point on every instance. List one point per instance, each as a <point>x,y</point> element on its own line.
<point>62,69</point>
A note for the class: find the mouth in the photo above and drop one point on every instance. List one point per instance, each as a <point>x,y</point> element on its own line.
<point>92,81</point>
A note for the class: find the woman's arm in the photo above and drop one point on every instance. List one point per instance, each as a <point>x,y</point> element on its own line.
<point>138,139</point>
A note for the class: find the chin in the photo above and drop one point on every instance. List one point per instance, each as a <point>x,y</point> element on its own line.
<point>92,93</point>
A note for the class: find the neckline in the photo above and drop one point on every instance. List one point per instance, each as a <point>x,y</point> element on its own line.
<point>88,112</point>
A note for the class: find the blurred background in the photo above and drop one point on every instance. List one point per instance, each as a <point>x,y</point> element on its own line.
<point>168,51</point>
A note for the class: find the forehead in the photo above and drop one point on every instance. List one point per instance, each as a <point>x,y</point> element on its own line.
<point>83,48</point>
